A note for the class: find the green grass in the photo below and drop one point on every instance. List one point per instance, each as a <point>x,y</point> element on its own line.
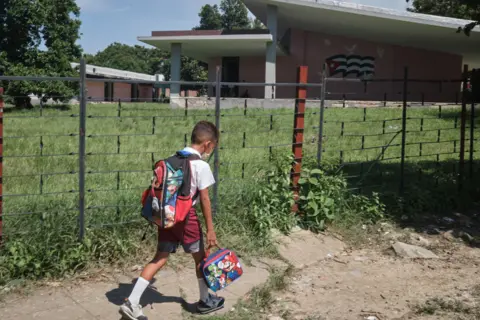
<point>40,167</point>
<point>120,152</point>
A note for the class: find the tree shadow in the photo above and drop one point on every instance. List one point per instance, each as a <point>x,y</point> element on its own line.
<point>448,114</point>
<point>150,296</point>
<point>59,107</point>
<point>56,107</point>
<point>434,199</point>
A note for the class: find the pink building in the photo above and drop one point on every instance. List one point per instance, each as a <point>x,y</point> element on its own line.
<point>350,41</point>
<point>107,84</point>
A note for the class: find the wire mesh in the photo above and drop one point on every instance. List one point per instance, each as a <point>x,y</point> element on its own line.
<point>365,138</point>
<point>122,142</point>
<point>123,139</point>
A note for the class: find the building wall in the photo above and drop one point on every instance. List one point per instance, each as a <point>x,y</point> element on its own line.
<point>145,92</point>
<point>312,49</point>
<point>122,91</point>
<point>95,91</point>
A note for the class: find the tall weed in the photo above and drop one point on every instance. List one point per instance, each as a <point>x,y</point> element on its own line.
<point>272,203</point>
<point>323,199</point>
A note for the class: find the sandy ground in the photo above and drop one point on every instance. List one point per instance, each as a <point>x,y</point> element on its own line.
<point>331,281</point>
<point>376,284</point>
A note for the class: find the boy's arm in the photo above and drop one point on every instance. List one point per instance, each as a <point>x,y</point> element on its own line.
<point>207,214</point>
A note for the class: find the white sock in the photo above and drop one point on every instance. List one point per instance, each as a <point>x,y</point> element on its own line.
<point>138,290</point>
<point>203,290</point>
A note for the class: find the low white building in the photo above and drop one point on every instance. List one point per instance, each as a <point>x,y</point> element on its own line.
<point>115,91</point>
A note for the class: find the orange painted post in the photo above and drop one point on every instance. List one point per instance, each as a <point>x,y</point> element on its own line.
<point>298,128</point>
<point>463,124</point>
<point>1,165</point>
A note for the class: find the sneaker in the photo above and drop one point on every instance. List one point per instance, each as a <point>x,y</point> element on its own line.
<point>212,304</point>
<point>132,311</point>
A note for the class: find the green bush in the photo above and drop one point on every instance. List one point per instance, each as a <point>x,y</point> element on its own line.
<point>272,204</point>
<point>323,199</point>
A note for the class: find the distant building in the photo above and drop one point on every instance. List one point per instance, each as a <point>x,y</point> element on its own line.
<point>352,41</point>
<point>115,91</point>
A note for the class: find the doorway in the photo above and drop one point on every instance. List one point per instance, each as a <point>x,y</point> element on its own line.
<point>230,73</point>
<point>108,91</point>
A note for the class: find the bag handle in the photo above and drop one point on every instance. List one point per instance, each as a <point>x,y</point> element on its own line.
<point>207,253</point>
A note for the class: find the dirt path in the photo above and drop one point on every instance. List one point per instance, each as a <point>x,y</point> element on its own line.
<point>368,283</point>
<point>330,282</point>
<point>172,296</point>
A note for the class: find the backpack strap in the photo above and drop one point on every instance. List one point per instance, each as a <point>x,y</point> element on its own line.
<point>190,156</point>
<point>195,196</point>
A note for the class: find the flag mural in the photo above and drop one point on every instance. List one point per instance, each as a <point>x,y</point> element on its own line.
<point>351,64</point>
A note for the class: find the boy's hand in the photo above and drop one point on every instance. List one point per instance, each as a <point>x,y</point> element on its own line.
<point>211,239</point>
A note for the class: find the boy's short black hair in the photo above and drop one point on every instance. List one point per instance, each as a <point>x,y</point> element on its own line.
<point>205,131</point>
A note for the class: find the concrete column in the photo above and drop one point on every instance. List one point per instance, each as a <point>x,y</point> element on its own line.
<point>175,68</point>
<point>271,54</point>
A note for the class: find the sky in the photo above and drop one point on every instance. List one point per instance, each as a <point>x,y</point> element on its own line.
<point>108,21</point>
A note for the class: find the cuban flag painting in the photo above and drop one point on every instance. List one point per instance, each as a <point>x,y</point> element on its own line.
<point>361,67</point>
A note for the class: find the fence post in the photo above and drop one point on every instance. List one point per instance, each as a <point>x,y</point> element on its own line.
<point>1,166</point>
<point>216,165</point>
<point>298,128</point>
<point>462,127</point>
<point>472,136</point>
<point>81,149</point>
<point>404,130</point>
<point>119,111</point>
<point>322,112</point>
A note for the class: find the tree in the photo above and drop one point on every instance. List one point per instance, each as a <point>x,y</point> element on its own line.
<point>192,70</point>
<point>462,9</point>
<point>444,8</point>
<point>24,26</point>
<point>234,15</point>
<point>129,58</point>
<point>210,18</point>
<point>145,60</point>
<point>257,24</point>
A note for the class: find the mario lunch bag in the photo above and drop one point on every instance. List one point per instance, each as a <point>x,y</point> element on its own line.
<point>220,269</point>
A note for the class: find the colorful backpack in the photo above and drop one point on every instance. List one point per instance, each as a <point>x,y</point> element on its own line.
<point>220,269</point>
<point>168,200</point>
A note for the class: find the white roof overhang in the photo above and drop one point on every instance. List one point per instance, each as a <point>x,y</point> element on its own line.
<point>205,47</point>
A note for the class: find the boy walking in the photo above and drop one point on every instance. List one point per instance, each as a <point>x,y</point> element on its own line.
<point>205,137</point>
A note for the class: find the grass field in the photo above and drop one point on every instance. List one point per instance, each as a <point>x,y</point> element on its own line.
<point>40,167</point>
<point>41,153</point>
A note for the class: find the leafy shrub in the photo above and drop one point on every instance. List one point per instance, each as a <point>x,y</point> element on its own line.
<point>271,206</point>
<point>323,199</point>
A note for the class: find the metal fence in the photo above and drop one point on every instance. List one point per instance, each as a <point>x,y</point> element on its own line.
<point>83,166</point>
<point>380,148</point>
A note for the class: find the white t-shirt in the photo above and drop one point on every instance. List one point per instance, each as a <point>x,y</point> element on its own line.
<point>202,176</point>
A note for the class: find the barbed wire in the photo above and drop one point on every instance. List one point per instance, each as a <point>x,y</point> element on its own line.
<point>352,136</point>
